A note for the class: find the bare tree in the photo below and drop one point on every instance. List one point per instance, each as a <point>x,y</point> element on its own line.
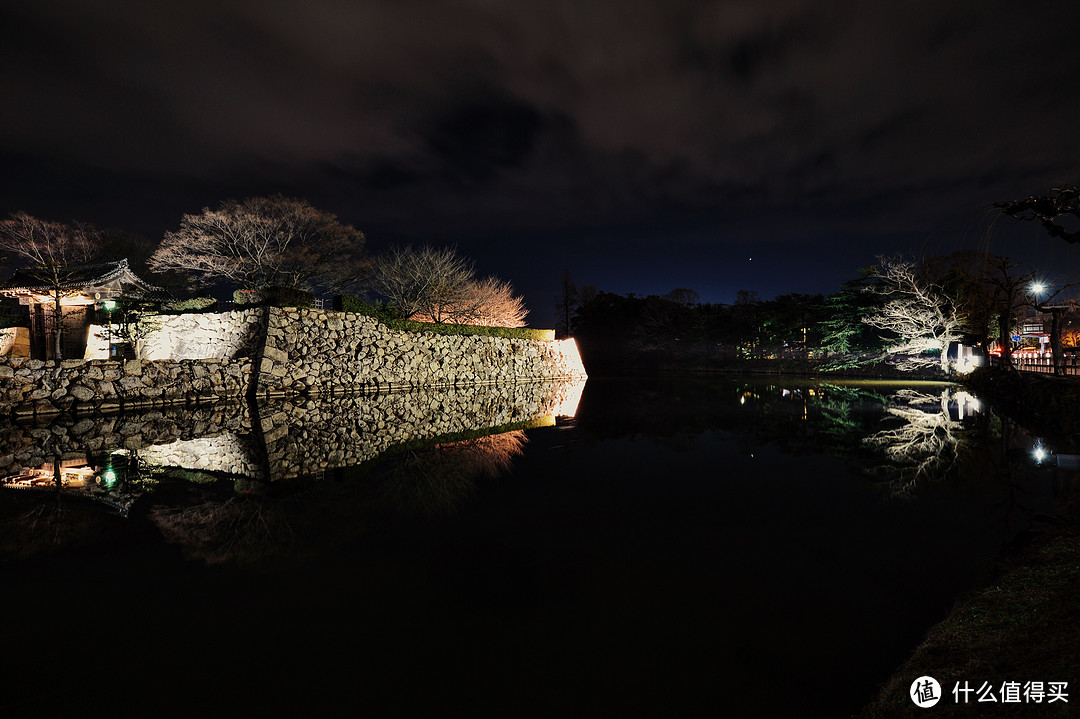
<point>421,281</point>
<point>437,285</point>
<point>264,242</point>
<point>1061,202</point>
<point>921,315</point>
<point>52,252</point>
<point>491,302</point>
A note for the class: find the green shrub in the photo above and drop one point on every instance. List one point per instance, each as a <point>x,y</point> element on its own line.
<point>388,316</point>
<point>195,304</point>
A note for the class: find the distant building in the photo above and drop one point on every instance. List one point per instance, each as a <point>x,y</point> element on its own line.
<point>84,290</point>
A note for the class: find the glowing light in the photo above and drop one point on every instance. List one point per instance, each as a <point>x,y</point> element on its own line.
<point>1040,454</point>
<point>108,479</point>
<point>109,305</point>
<point>568,357</point>
<point>568,405</point>
<point>1037,288</point>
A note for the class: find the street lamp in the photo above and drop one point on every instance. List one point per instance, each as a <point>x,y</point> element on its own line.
<point>1037,288</point>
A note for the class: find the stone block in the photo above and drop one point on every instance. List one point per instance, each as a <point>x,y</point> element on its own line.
<point>82,393</point>
<point>82,426</point>
<point>44,406</point>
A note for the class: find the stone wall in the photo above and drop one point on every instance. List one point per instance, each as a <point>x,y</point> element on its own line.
<point>34,387</point>
<point>274,352</point>
<point>329,352</point>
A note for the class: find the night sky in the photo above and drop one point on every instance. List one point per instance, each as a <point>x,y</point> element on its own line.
<point>770,146</point>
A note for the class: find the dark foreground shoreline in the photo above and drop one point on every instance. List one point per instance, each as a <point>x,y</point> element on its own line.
<point>1018,623</point>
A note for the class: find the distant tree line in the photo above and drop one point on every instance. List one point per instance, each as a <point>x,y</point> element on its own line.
<point>901,311</point>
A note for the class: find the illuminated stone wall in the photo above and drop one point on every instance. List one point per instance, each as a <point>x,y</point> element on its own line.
<point>327,352</point>
<point>278,352</point>
<point>35,387</point>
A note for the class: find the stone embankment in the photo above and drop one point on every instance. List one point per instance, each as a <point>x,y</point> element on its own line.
<point>33,387</point>
<point>326,352</point>
<point>276,352</point>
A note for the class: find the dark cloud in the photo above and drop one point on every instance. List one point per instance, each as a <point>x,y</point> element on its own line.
<point>786,121</point>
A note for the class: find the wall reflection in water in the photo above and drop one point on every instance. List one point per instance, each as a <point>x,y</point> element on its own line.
<point>247,482</point>
<point>437,444</point>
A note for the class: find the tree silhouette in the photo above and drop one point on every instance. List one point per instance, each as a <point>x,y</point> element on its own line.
<point>1062,201</point>
<point>565,304</point>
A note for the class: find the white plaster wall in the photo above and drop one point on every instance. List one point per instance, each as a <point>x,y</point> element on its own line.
<point>7,340</point>
<point>211,335</point>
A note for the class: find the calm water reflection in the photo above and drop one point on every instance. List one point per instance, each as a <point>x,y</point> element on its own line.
<point>720,546</point>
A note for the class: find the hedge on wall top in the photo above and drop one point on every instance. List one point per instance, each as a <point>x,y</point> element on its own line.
<point>275,297</point>
<point>385,315</point>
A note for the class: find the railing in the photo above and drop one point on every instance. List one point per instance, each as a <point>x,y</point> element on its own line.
<point>1043,363</point>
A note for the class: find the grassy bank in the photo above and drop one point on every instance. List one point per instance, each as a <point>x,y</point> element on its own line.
<point>1019,625</point>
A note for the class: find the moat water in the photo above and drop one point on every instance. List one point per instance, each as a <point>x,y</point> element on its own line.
<point>726,546</point>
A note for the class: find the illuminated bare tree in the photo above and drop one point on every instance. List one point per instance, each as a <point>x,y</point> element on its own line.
<point>437,480</point>
<point>437,285</point>
<point>52,253</point>
<point>491,302</point>
<point>264,242</point>
<point>921,315</point>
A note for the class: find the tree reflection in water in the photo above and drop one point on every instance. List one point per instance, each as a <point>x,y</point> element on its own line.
<point>928,443</point>
<point>436,480</point>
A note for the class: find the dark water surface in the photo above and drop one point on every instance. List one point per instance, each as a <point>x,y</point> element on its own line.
<point>730,547</point>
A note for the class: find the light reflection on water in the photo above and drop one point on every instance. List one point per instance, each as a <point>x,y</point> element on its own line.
<point>670,539</point>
